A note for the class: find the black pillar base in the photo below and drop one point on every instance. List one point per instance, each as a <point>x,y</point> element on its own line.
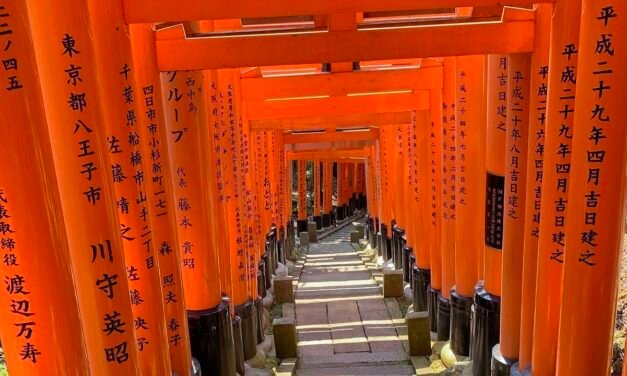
<point>326,220</point>
<point>301,226</point>
<point>432,308</point>
<point>388,248</point>
<point>406,265</point>
<point>397,247</point>
<point>261,336</point>
<point>341,213</point>
<point>444,319</point>
<point>380,245</point>
<point>211,337</point>
<point>516,371</point>
<point>420,285</point>
<point>500,366</point>
<point>239,345</point>
<point>411,261</point>
<point>318,220</point>
<point>461,307</point>
<point>261,279</point>
<point>485,329</point>
<point>246,312</point>
<point>267,269</point>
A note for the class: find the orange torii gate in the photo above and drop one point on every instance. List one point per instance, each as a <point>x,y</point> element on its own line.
<point>196,171</point>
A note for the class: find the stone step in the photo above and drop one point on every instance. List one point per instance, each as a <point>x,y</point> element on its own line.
<point>359,359</point>
<point>358,371</point>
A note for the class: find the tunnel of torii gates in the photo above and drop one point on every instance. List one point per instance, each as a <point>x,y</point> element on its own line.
<point>148,162</point>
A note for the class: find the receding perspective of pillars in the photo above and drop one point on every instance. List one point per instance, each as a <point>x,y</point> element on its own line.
<point>327,193</point>
<point>301,176</point>
<point>32,312</point>
<point>317,183</point>
<point>449,183</point>
<point>487,293</point>
<point>596,196</point>
<point>535,167</point>
<point>470,195</point>
<point>518,94</point>
<point>120,96</point>
<point>435,228</point>
<point>63,47</point>
<point>560,115</point>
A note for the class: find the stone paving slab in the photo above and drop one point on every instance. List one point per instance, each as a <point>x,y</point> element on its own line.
<point>351,337</point>
<point>396,370</point>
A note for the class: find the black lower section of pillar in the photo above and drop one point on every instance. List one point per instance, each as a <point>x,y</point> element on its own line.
<point>261,279</point>
<point>383,244</point>
<point>211,337</point>
<point>246,312</point>
<point>261,336</point>
<point>432,308</point>
<point>500,366</point>
<point>516,371</point>
<point>341,213</point>
<point>239,345</point>
<point>406,263</point>
<point>379,244</point>
<point>485,329</point>
<point>397,251</point>
<point>388,248</point>
<point>420,285</point>
<point>326,220</point>
<point>301,225</point>
<point>318,220</point>
<point>461,308</point>
<point>267,270</point>
<point>412,261</point>
<point>444,319</point>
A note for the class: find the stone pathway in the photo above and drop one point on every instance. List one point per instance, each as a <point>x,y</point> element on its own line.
<point>343,323</point>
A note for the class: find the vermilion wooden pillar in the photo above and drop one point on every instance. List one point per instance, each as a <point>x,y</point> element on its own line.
<point>120,96</point>
<point>506,353</point>
<point>470,195</point>
<point>234,166</point>
<point>386,155</point>
<point>560,115</point>
<point>596,213</point>
<point>302,195</point>
<point>327,192</point>
<point>32,312</point>
<point>535,158</point>
<point>449,186</point>
<point>435,228</point>
<point>75,123</point>
<point>316,194</point>
<point>420,165</point>
<point>487,293</point>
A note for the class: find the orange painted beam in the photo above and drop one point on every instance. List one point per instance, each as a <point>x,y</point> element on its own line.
<point>340,84</point>
<point>340,121</point>
<point>515,35</point>
<point>306,138</point>
<point>264,110</point>
<point>146,11</point>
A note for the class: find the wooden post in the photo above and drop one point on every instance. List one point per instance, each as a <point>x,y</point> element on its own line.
<point>470,195</point>
<point>75,123</point>
<point>435,228</point>
<point>38,299</point>
<point>128,166</point>
<point>560,115</point>
<point>518,97</point>
<point>596,212</point>
<point>449,183</point>
<point>487,293</point>
<point>535,166</point>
